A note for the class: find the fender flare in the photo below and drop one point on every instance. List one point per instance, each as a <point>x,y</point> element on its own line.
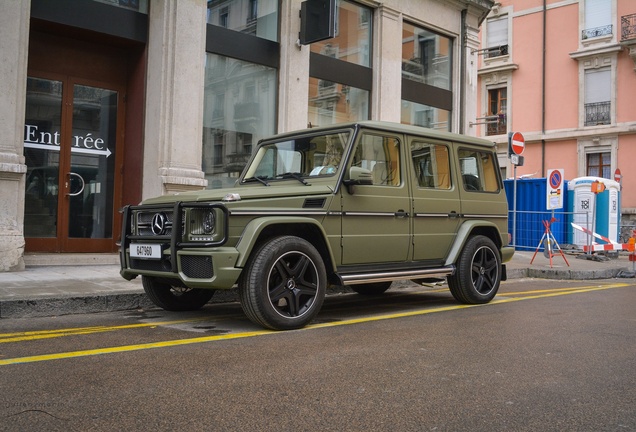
<point>255,227</point>
<point>463,233</point>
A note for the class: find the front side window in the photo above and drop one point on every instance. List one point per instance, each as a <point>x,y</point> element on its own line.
<point>598,88</point>
<point>239,109</point>
<point>478,171</point>
<point>381,156</point>
<point>255,17</point>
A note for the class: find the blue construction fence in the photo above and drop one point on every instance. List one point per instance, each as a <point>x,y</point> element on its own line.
<point>532,211</point>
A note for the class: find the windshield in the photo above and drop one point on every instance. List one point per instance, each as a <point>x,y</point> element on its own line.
<point>307,156</point>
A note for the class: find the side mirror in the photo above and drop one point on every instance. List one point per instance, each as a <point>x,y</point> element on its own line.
<point>358,176</point>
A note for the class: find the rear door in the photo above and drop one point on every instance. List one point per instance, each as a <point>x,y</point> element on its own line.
<point>436,206</point>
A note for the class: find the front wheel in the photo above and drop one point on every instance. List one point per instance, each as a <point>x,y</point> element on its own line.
<point>478,273</point>
<point>283,285</point>
<point>175,298</point>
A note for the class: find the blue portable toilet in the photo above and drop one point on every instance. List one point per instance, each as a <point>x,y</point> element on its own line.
<point>598,212</point>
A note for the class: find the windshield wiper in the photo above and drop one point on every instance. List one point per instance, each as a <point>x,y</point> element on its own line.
<point>257,178</point>
<point>294,176</point>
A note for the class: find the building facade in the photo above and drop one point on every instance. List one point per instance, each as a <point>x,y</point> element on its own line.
<point>563,73</point>
<point>108,102</point>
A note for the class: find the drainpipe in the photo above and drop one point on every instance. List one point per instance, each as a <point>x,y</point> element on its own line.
<point>462,71</point>
<point>543,78</point>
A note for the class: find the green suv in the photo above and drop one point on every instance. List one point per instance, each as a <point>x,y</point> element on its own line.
<point>360,204</point>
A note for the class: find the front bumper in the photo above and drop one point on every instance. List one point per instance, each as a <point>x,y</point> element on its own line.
<point>207,264</point>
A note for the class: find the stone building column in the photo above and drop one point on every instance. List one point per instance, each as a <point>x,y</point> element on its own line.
<point>174,97</point>
<point>14,43</point>
<point>293,77</point>
<point>387,66</point>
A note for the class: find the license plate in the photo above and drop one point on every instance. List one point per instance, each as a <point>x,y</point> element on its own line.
<point>145,251</point>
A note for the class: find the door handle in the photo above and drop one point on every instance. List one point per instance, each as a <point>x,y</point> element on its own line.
<point>453,215</point>
<point>81,189</point>
<point>401,214</point>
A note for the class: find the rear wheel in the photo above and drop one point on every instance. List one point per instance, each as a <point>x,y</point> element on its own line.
<point>375,288</point>
<point>283,285</point>
<point>173,298</point>
<point>478,274</point>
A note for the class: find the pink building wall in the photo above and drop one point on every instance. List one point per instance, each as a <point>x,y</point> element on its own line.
<point>563,141</point>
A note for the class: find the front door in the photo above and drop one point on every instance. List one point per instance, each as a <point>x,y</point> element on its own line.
<point>72,142</point>
<point>375,218</point>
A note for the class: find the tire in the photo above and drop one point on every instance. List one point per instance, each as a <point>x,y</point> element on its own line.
<point>375,288</point>
<point>283,285</point>
<point>478,273</point>
<point>175,298</point>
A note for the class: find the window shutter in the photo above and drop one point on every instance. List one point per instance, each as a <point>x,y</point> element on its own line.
<point>598,13</point>
<point>597,86</point>
<point>497,32</point>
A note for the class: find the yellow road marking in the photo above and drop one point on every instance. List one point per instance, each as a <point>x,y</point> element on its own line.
<point>48,334</point>
<point>172,343</point>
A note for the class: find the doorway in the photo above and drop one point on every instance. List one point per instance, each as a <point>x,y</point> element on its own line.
<point>70,148</point>
<point>73,145</point>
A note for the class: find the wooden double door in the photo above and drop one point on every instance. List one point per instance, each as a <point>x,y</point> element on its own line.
<point>73,138</point>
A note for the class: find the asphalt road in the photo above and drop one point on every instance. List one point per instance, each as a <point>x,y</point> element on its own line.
<point>546,355</point>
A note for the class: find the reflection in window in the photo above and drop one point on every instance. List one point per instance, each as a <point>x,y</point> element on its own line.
<point>381,156</point>
<point>432,165</point>
<point>254,17</point>
<point>353,35</point>
<point>331,103</point>
<point>426,116</point>
<point>478,171</point>
<point>426,57</point>
<point>136,5</point>
<point>240,109</point>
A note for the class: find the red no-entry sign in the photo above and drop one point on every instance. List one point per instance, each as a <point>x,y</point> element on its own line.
<point>517,143</point>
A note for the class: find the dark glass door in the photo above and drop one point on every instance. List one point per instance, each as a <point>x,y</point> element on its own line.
<point>70,147</point>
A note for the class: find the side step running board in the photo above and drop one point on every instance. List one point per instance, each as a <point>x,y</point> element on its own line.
<point>386,276</point>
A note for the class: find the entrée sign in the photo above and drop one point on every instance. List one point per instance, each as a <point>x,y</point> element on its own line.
<point>33,138</point>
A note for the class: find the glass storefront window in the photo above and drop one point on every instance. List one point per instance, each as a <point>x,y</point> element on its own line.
<point>425,116</point>
<point>331,103</point>
<point>426,57</point>
<point>240,109</point>
<point>254,17</point>
<point>136,5</point>
<point>353,35</point>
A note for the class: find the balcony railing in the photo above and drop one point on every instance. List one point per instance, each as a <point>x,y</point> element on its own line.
<point>597,113</point>
<point>597,32</point>
<point>628,27</point>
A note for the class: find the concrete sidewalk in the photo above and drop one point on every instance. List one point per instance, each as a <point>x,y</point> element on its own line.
<point>49,290</point>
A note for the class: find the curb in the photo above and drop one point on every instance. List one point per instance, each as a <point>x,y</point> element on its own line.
<point>136,299</point>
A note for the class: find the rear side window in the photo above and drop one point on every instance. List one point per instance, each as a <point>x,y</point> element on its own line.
<point>432,165</point>
<point>478,171</point>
